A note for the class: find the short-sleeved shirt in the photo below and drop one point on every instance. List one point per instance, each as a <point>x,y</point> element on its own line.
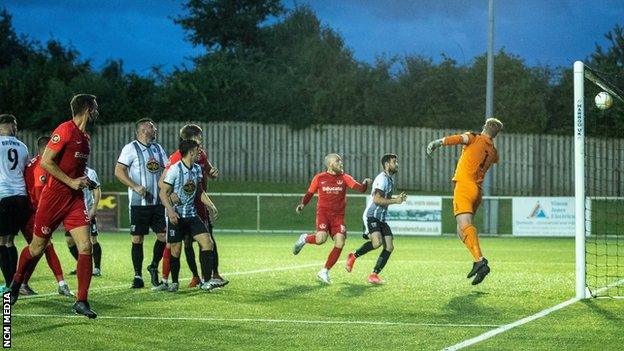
<point>332,192</point>
<point>206,166</point>
<point>385,184</point>
<point>145,166</point>
<point>88,193</point>
<point>72,148</point>
<point>476,158</point>
<point>185,182</point>
<point>36,178</point>
<point>14,156</point>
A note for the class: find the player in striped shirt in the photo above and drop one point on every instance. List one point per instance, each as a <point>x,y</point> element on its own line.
<point>207,215</point>
<point>331,186</point>
<point>92,196</point>
<point>139,167</point>
<point>183,178</point>
<point>376,230</point>
<point>478,154</point>
<point>14,204</point>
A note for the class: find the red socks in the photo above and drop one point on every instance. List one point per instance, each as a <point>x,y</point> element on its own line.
<point>25,266</point>
<point>311,239</point>
<point>53,262</point>
<point>333,257</point>
<point>83,273</point>
<point>165,263</point>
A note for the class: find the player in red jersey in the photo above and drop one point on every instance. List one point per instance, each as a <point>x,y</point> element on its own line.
<point>65,159</point>
<point>195,133</point>
<point>330,209</point>
<point>36,178</point>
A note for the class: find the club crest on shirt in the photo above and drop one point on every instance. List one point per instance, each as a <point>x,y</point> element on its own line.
<point>339,182</point>
<point>189,188</point>
<point>55,138</point>
<point>152,165</point>
<point>42,179</point>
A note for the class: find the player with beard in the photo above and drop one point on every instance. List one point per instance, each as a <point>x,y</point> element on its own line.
<point>376,229</point>
<point>65,160</point>
<point>331,187</point>
<point>139,167</point>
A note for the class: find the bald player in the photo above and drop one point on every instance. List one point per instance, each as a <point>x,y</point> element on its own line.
<point>331,187</point>
<point>477,156</point>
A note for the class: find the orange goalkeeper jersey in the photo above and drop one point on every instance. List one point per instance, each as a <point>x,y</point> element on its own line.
<point>476,158</point>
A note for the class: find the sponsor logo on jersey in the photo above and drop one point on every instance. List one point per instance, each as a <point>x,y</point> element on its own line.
<point>332,189</point>
<point>152,165</point>
<point>81,155</point>
<point>55,138</point>
<point>189,188</point>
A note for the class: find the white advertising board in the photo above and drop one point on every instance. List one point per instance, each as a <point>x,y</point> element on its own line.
<point>419,215</point>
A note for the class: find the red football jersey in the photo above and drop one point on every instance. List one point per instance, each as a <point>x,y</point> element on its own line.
<point>205,167</point>
<point>36,178</point>
<point>72,147</point>
<point>332,191</point>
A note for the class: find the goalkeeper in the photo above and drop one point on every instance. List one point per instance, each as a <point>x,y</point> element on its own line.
<point>477,156</point>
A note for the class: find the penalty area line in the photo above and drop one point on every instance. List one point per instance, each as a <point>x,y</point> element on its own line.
<point>264,320</point>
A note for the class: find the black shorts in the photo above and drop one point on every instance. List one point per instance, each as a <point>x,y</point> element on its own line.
<point>142,218</point>
<point>186,227</point>
<point>375,225</point>
<point>92,228</point>
<point>14,214</point>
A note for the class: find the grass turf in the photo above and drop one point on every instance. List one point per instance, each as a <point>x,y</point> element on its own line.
<point>275,303</point>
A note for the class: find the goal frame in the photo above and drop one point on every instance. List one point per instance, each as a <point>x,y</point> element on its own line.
<point>582,72</point>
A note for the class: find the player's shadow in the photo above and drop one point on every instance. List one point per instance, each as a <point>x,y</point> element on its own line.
<point>289,292</point>
<point>45,327</point>
<point>355,290</point>
<point>468,305</point>
<point>601,311</point>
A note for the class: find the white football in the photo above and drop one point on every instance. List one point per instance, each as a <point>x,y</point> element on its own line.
<point>603,100</point>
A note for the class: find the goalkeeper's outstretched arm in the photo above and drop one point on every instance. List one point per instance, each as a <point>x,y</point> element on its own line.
<point>449,140</point>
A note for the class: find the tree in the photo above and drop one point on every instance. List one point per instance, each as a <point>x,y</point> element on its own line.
<point>227,24</point>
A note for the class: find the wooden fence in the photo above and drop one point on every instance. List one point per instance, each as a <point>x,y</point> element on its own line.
<point>529,164</point>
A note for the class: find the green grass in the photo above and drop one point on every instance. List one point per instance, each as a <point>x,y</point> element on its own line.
<point>425,284</point>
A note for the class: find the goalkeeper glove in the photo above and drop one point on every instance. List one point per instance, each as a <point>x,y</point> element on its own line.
<point>434,145</point>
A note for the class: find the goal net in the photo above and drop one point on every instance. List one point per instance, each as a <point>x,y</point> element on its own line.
<point>599,189</point>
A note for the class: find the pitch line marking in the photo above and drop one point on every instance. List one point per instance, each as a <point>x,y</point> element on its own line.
<point>264,270</point>
<point>525,320</point>
<point>266,320</point>
<point>509,326</point>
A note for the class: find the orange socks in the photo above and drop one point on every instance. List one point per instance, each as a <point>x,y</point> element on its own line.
<point>471,240</point>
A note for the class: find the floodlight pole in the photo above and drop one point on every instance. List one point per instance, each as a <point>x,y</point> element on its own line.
<point>490,207</point>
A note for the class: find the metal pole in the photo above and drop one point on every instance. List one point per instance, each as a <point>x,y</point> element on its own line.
<point>258,213</point>
<point>490,207</point>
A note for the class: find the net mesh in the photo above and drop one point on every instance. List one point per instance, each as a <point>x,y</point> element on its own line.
<point>604,191</point>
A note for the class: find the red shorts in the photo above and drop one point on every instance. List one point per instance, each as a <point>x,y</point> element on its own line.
<point>57,208</point>
<point>333,224</point>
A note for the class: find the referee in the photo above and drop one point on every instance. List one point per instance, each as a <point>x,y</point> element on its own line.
<point>139,167</point>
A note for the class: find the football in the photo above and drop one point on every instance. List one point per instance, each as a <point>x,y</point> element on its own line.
<point>603,100</point>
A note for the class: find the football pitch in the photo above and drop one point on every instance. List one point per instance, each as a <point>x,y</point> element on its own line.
<point>274,302</point>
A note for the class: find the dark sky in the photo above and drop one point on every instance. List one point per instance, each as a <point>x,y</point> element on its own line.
<point>141,33</point>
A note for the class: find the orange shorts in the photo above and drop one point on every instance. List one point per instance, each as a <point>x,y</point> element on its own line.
<point>466,198</point>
